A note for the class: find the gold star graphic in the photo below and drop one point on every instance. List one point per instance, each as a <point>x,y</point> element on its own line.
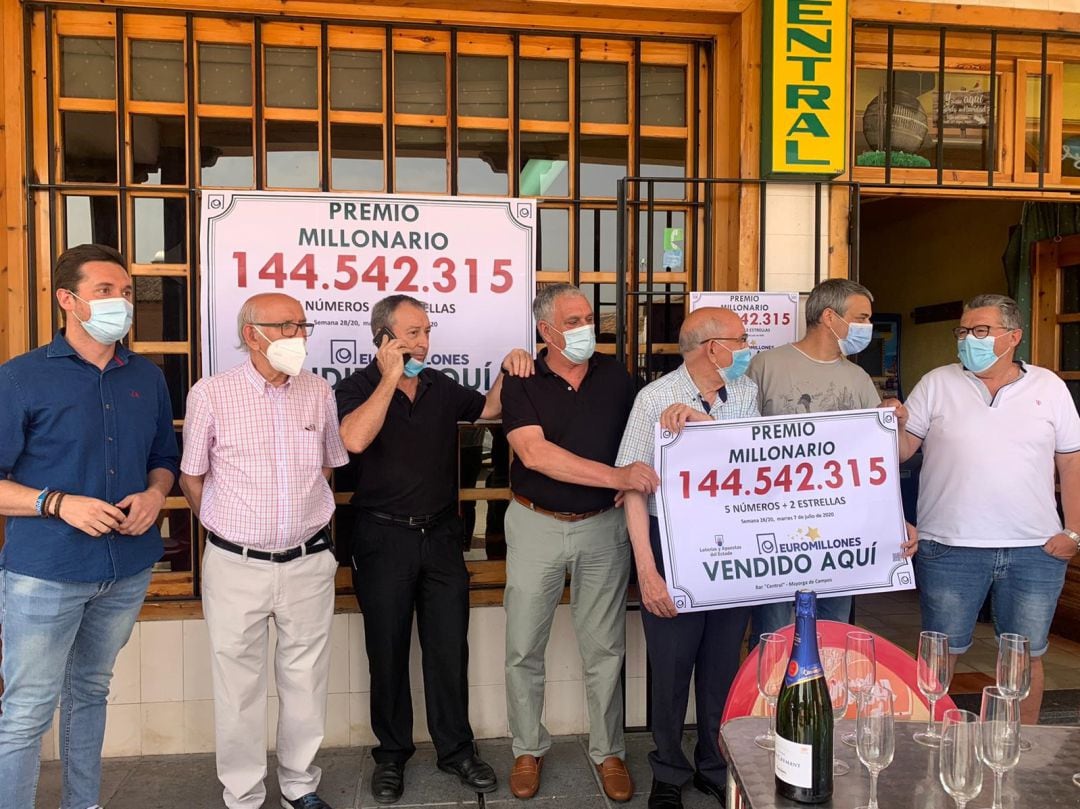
<point>813,533</point>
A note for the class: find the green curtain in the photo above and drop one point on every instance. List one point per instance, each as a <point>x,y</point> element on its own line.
<point>1039,221</point>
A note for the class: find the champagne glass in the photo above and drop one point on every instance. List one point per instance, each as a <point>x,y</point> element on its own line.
<point>999,735</point>
<point>875,738</point>
<point>1014,671</point>
<point>772,659</point>
<point>934,672</point>
<point>860,669</point>
<point>960,767</point>
<point>1076,778</point>
<point>833,664</point>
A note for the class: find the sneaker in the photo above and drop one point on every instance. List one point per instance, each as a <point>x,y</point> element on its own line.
<point>309,801</point>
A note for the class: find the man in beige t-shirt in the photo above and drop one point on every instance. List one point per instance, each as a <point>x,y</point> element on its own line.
<point>815,376</point>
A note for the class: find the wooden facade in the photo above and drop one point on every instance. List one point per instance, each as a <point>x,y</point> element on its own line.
<point>714,44</point>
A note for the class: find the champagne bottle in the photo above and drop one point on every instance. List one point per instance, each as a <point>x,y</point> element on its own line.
<point>804,719</point>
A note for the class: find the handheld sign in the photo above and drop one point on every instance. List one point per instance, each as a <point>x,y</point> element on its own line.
<point>752,510</point>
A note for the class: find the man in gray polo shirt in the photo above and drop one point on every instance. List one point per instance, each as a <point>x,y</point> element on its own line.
<point>814,375</point>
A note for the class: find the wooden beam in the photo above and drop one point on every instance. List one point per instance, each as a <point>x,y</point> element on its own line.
<point>900,11</point>
<point>694,18</point>
<point>14,326</point>
<point>749,139</point>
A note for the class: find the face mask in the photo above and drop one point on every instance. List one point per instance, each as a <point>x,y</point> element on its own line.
<point>110,319</point>
<point>580,344</point>
<point>286,355</point>
<point>858,338</point>
<point>976,353</point>
<point>740,361</point>
<point>413,367</point>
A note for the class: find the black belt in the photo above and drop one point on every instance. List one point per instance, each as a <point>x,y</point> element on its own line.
<point>418,521</point>
<point>320,542</point>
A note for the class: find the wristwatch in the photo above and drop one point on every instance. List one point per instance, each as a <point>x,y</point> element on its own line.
<point>1075,537</point>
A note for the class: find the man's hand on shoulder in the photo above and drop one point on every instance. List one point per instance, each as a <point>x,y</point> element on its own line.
<point>518,363</point>
<point>675,417</point>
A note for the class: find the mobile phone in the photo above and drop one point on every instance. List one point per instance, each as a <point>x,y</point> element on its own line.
<point>380,334</point>
<point>385,332</point>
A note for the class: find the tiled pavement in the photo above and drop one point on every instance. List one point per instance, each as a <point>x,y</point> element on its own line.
<point>189,782</point>
<point>569,780</point>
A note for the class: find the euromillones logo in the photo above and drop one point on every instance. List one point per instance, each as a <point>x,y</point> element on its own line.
<point>766,543</point>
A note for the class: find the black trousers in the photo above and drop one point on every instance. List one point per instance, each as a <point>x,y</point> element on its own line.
<point>397,571</point>
<point>707,645</point>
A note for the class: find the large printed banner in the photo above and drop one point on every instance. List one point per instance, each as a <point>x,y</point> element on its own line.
<point>770,318</point>
<point>470,260</point>
<point>752,510</point>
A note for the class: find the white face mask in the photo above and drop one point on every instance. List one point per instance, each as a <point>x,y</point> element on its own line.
<point>109,321</point>
<point>286,355</point>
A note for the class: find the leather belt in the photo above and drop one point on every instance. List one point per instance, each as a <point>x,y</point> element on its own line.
<point>564,516</point>
<point>320,542</point>
<point>418,521</point>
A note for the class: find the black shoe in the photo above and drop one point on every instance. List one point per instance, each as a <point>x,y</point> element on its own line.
<point>474,773</point>
<point>665,796</point>
<point>710,787</point>
<point>388,782</point>
<point>309,801</point>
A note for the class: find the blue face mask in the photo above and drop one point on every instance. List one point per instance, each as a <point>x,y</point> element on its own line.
<point>580,344</point>
<point>413,367</point>
<point>976,353</point>
<point>109,321</point>
<point>740,361</point>
<point>858,338</point>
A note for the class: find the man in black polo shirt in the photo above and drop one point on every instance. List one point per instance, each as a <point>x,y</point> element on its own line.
<point>399,419</point>
<point>564,424</point>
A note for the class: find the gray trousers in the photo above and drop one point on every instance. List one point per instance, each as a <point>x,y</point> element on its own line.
<point>539,552</point>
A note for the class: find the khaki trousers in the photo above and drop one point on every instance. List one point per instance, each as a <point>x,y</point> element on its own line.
<point>240,596</point>
<point>540,550</point>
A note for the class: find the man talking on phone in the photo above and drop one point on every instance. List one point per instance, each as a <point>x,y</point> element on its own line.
<point>399,420</point>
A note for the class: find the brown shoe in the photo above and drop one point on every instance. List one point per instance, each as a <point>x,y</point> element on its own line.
<point>616,780</point>
<point>525,777</point>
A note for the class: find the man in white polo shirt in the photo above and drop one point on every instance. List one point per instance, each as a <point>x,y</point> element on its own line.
<point>993,430</point>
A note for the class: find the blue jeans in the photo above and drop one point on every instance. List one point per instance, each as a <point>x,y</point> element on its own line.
<point>60,642</point>
<point>773,617</point>
<point>1025,584</point>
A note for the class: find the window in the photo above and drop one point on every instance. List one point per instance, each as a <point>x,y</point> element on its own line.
<point>145,120</point>
<point>953,106</point>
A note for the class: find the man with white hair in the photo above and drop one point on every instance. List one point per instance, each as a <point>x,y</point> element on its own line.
<point>711,384</point>
<point>260,441</point>
<point>993,430</point>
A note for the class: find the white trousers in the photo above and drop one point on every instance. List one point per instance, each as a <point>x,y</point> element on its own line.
<point>240,596</point>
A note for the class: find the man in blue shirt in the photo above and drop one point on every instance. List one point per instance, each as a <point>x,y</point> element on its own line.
<point>87,457</point>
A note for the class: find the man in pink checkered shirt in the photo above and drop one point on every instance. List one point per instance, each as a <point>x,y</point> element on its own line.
<point>259,443</point>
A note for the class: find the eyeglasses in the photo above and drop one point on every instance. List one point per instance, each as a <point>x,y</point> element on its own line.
<point>289,328</point>
<point>960,332</point>
<point>742,339</point>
